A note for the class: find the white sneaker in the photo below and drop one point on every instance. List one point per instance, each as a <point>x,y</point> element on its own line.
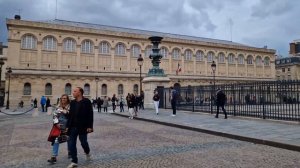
<point>173,115</point>
<point>72,165</point>
<point>88,157</point>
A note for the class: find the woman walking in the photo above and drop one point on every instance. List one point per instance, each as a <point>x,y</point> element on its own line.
<point>156,101</point>
<point>58,133</point>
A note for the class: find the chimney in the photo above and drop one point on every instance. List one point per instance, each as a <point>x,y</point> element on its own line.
<point>17,17</point>
<point>292,48</point>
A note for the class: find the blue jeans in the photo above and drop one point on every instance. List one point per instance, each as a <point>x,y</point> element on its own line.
<point>74,133</point>
<point>55,147</point>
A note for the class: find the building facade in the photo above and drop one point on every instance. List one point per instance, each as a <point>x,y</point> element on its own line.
<point>288,68</point>
<point>52,57</point>
<point>3,58</point>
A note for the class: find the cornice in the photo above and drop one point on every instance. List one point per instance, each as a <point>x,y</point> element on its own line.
<point>132,36</point>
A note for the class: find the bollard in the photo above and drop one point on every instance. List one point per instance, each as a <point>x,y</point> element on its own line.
<point>35,112</point>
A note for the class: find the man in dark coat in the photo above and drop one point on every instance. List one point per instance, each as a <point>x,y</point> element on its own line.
<point>220,102</point>
<point>80,123</point>
<point>173,97</point>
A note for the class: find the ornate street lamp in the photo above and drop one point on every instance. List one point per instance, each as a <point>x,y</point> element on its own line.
<point>97,80</point>
<point>9,71</point>
<point>140,62</point>
<point>213,68</point>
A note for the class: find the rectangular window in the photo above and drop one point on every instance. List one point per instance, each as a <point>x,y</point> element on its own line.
<point>283,69</point>
<point>289,69</point>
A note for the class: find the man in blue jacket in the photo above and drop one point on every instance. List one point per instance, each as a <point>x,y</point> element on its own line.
<point>43,103</point>
<point>80,123</point>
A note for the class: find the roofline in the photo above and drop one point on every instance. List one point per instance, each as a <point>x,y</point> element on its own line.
<point>240,46</point>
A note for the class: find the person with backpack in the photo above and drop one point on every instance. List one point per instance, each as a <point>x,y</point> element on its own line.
<point>220,102</point>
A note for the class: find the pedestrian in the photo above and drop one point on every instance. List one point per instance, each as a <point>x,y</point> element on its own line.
<point>60,116</point>
<point>174,96</point>
<point>48,104</point>
<point>80,123</point>
<point>121,104</point>
<point>99,104</point>
<point>131,106</point>
<point>142,96</point>
<point>156,101</point>
<point>127,99</point>
<point>220,102</point>
<point>105,104</point>
<point>113,102</point>
<point>35,103</point>
<point>135,101</point>
<point>43,103</point>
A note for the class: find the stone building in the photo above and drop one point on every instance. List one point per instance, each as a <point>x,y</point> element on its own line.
<point>52,57</point>
<point>288,68</point>
<point>3,58</point>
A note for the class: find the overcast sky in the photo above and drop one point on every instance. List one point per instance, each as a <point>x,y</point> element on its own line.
<point>274,23</point>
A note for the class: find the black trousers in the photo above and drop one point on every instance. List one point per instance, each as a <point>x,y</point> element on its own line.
<point>173,104</point>
<point>223,109</point>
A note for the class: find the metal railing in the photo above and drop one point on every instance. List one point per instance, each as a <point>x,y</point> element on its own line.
<point>279,100</point>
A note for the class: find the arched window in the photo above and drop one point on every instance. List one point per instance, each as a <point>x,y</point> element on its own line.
<point>48,89</point>
<point>135,50</point>
<point>199,55</point>
<point>68,89</point>
<point>104,47</point>
<point>28,42</point>
<point>136,89</point>
<point>231,58</point>
<point>267,61</point>
<point>69,45</point>
<point>176,53</point>
<point>120,49</point>
<point>221,58</point>
<point>104,89</point>
<point>27,89</point>
<point>120,89</point>
<point>49,43</point>
<point>86,89</point>
<point>241,59</point>
<point>258,61</point>
<point>210,56</point>
<point>87,47</point>
<point>148,51</point>
<point>249,60</point>
<point>188,54</point>
<point>164,52</point>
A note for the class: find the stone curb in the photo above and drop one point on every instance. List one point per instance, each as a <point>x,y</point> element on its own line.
<point>227,135</point>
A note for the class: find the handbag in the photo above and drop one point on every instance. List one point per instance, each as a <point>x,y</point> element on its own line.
<point>55,132</point>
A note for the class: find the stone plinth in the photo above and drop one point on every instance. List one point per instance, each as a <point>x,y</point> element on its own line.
<point>150,84</point>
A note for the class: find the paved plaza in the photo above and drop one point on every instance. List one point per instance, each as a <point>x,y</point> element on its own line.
<point>120,142</point>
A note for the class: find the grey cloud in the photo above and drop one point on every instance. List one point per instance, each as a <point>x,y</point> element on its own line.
<point>265,8</point>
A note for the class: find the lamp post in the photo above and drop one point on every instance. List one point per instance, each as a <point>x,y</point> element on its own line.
<point>1,63</point>
<point>140,62</point>
<point>213,68</point>
<point>97,80</point>
<point>9,71</point>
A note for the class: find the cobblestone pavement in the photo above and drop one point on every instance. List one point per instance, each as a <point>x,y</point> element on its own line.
<point>120,142</point>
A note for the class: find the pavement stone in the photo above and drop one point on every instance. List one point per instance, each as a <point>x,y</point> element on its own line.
<point>119,142</point>
<point>274,133</point>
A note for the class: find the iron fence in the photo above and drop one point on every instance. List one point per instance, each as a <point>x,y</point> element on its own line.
<point>277,100</point>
